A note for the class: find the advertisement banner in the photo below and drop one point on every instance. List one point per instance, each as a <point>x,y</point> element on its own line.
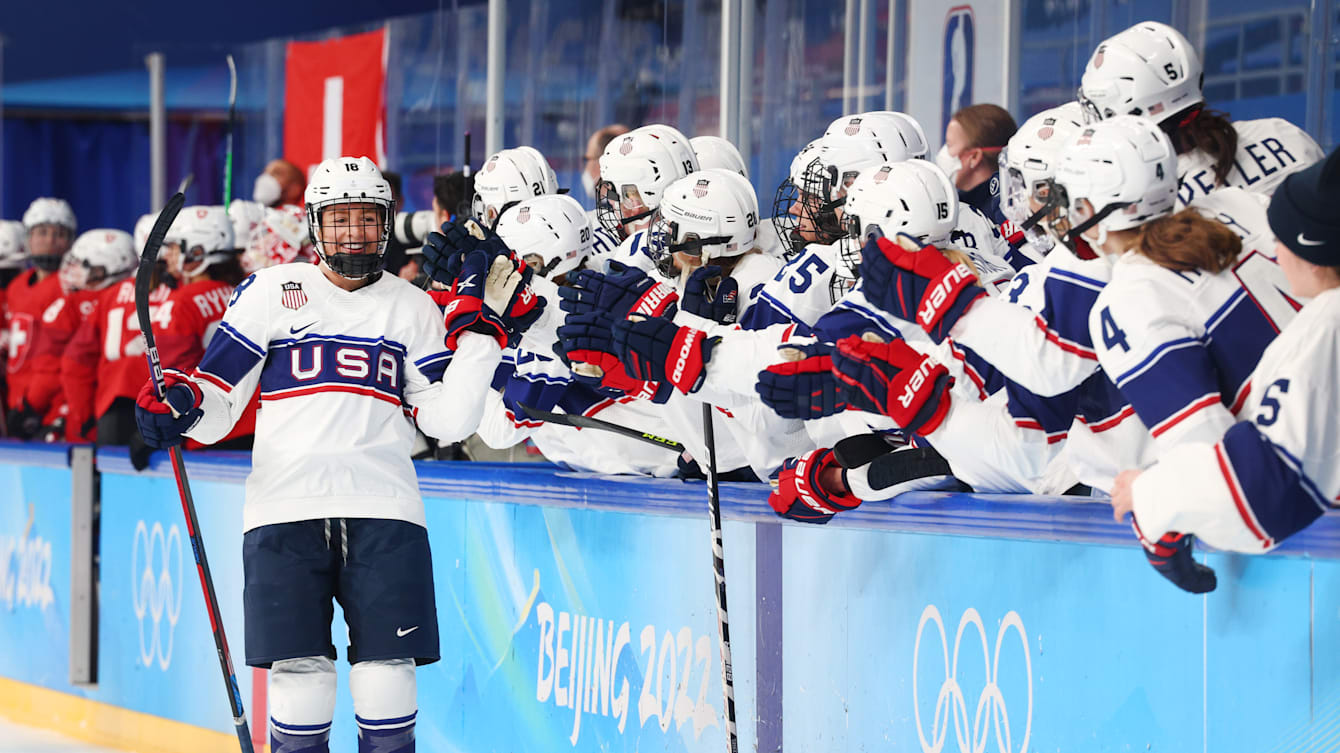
<point>965,44</point>
<point>35,574</point>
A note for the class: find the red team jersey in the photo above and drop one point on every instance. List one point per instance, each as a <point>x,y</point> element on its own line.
<point>27,299</point>
<point>59,323</point>
<point>184,324</point>
<point>105,360</point>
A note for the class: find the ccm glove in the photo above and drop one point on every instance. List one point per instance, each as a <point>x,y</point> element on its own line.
<point>803,385</point>
<point>620,292</point>
<point>490,298</point>
<point>586,345</point>
<point>444,253</point>
<point>917,283</point>
<point>799,495</point>
<point>893,379</point>
<point>1172,557</point>
<point>162,422</point>
<point>655,350</point>
<point>711,296</point>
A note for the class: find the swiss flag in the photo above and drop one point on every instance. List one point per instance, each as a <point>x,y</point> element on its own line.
<point>334,99</point>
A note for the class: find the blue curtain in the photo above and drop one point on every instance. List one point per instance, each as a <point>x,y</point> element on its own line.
<point>102,166</point>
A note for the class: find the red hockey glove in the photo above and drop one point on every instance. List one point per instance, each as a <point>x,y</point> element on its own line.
<point>893,379</point>
<point>800,496</point>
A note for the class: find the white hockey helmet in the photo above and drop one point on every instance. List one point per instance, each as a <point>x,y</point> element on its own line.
<point>509,177</point>
<point>1028,163</point>
<point>342,181</point>
<point>710,214</point>
<point>1124,167</point>
<point>13,244</point>
<point>1149,70</point>
<point>143,226</point>
<point>635,170</point>
<point>714,151</point>
<point>853,143</point>
<point>97,259</point>
<point>49,211</point>
<point>204,235</point>
<point>551,233</point>
<point>784,222</point>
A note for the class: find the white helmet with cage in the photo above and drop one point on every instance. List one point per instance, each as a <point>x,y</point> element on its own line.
<point>635,170</point>
<point>1149,70</point>
<point>1124,169</point>
<point>204,235</point>
<point>1028,163</point>
<point>13,244</point>
<point>49,211</point>
<point>897,134</point>
<point>344,181</point>
<point>710,214</point>
<point>714,151</point>
<point>508,177</point>
<point>552,233</point>
<point>97,259</point>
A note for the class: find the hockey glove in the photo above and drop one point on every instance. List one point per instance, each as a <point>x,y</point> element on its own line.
<point>1171,556</point>
<point>917,283</point>
<point>623,291</point>
<point>490,299</point>
<point>710,295</point>
<point>162,422</point>
<point>586,346</point>
<point>799,495</point>
<point>656,350</point>
<point>893,379</point>
<point>803,385</point>
<point>444,253</point>
<point>23,422</point>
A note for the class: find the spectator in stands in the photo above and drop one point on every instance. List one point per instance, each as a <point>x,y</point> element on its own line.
<point>281,183</point>
<point>595,146</point>
<point>971,155</point>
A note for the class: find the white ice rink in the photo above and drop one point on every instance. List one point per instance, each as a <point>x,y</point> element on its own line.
<point>16,738</point>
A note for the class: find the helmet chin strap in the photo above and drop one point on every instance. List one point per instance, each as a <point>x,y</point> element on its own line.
<point>1076,233</point>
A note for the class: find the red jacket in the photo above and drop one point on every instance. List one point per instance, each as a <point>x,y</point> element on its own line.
<point>26,299</point>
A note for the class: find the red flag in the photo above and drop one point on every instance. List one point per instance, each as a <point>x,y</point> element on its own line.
<point>334,99</point>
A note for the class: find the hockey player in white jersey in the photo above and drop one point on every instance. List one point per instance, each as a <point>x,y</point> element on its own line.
<point>347,360</point>
<point>1152,71</point>
<point>1027,164</point>
<point>1277,468</point>
<point>635,170</point>
<point>507,178</point>
<point>714,151</point>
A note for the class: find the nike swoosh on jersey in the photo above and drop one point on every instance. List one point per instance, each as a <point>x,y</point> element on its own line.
<point>1303,239</point>
<point>296,330</point>
<point>401,632</point>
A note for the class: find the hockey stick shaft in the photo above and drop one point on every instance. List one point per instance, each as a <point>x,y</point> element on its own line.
<point>719,567</point>
<point>144,278</point>
<point>586,422</point>
<point>228,134</point>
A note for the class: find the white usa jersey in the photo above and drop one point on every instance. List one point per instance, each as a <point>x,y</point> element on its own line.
<point>340,375</point>
<point>1181,346</point>
<point>798,292</point>
<point>1269,149</point>
<point>1275,470</point>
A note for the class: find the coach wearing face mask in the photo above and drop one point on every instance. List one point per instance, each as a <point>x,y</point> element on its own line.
<point>281,183</point>
<point>971,155</point>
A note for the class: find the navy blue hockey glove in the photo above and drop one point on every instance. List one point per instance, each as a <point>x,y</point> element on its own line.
<point>444,253</point>
<point>893,379</point>
<point>623,291</point>
<point>799,495</point>
<point>162,422</point>
<point>917,283</point>
<point>586,345</point>
<point>711,296</point>
<point>802,386</point>
<point>492,298</point>
<point>1172,557</point>
<point>656,350</point>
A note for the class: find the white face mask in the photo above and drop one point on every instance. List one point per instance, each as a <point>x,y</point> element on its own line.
<point>267,190</point>
<point>950,164</point>
<point>589,184</point>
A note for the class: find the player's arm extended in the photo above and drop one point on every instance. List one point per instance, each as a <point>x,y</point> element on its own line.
<point>228,375</point>
<point>450,409</point>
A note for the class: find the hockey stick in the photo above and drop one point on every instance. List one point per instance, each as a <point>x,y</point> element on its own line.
<point>719,565</point>
<point>143,281</point>
<point>228,135</point>
<point>586,422</point>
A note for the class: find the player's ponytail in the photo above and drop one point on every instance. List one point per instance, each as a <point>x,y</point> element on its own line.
<point>1211,132</point>
<point>1188,240</point>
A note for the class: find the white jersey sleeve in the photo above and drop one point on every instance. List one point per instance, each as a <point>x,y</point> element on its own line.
<point>1275,470</point>
<point>231,367</point>
<point>1269,150</point>
<point>981,240</point>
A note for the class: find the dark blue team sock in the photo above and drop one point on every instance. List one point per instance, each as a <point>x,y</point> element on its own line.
<point>299,738</point>
<point>386,735</point>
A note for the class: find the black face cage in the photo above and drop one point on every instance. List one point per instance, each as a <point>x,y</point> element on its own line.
<point>352,266</point>
<point>786,224</point>
<point>664,241</point>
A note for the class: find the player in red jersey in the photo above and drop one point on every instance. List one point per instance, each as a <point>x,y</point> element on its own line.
<point>51,225</point>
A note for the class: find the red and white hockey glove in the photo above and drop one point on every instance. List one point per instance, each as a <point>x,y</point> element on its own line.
<point>799,495</point>
<point>893,379</point>
<point>491,297</point>
<point>917,283</point>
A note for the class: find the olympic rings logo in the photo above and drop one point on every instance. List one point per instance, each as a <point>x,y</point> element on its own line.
<point>155,588</point>
<point>951,700</point>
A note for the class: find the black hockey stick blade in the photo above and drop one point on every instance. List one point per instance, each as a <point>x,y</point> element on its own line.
<point>586,422</point>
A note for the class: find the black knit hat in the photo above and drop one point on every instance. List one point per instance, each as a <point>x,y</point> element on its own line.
<point>1303,212</point>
